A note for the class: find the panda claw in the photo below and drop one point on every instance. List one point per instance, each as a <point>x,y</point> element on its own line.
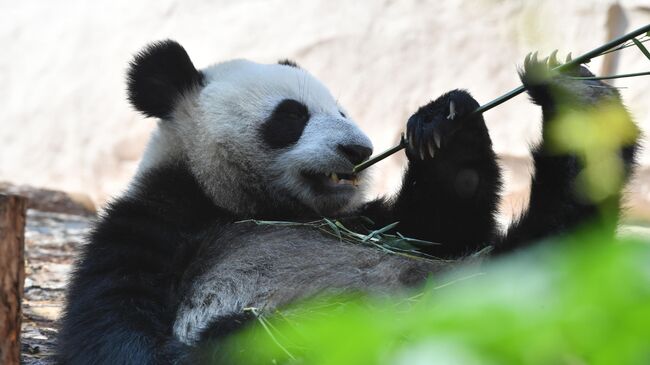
<point>552,59</point>
<point>422,153</point>
<point>533,59</point>
<point>431,149</point>
<point>568,58</point>
<point>452,110</point>
<point>527,59</point>
<point>436,139</point>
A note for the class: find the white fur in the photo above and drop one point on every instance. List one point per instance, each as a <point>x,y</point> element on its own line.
<point>217,130</point>
<point>269,267</point>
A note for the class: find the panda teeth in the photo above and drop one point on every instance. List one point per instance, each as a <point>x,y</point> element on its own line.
<point>354,181</point>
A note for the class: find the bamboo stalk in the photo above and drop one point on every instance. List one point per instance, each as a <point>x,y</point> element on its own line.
<point>511,94</point>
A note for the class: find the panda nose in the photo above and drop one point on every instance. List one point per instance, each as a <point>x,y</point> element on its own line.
<point>355,153</point>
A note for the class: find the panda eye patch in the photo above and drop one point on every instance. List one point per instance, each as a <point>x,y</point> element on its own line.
<point>286,124</point>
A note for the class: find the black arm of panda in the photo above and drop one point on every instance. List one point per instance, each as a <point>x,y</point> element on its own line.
<point>452,198</point>
<point>450,190</point>
<point>123,295</point>
<point>555,205</point>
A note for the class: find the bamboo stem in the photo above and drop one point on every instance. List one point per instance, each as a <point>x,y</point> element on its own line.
<point>511,94</point>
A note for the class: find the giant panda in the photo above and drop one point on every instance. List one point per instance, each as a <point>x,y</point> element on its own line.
<point>169,264</point>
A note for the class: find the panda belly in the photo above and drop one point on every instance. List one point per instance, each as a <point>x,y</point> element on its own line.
<point>268,267</point>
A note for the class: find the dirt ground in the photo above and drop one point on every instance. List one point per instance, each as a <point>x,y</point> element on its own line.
<point>52,241</point>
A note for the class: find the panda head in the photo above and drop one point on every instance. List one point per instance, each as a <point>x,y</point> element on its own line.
<point>258,138</point>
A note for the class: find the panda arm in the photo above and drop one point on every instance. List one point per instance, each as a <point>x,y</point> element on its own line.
<point>555,207</point>
<point>450,197</point>
<point>122,297</point>
<point>116,311</point>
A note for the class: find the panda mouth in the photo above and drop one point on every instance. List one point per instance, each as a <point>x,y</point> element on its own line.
<point>339,178</point>
<point>332,179</point>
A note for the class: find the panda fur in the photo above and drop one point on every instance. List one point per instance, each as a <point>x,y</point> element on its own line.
<point>169,266</point>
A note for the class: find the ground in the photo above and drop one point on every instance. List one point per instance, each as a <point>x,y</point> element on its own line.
<point>52,241</point>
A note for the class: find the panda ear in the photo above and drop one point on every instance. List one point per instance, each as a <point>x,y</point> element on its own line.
<point>158,76</point>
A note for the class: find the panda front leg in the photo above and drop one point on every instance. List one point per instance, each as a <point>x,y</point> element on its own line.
<point>558,203</point>
<point>450,190</point>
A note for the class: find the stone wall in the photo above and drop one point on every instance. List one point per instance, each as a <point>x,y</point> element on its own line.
<point>65,123</point>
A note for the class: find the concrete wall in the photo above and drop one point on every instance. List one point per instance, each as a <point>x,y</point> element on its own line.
<point>65,123</point>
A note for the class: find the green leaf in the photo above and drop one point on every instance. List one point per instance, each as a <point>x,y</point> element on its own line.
<point>417,241</point>
<point>333,226</point>
<point>400,244</point>
<point>641,47</point>
<point>380,231</point>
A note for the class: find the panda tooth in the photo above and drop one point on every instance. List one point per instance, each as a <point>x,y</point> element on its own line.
<point>335,177</point>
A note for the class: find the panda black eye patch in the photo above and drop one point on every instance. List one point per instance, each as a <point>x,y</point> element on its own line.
<point>285,125</point>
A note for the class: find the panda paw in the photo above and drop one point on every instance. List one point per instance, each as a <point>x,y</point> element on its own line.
<point>548,87</point>
<point>435,126</point>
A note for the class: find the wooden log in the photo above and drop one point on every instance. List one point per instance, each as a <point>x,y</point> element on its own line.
<point>12,275</point>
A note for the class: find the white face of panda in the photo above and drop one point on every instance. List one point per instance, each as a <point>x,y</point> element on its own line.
<point>261,138</point>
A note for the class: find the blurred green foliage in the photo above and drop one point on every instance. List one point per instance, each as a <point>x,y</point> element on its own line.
<point>580,300</point>
<point>596,136</point>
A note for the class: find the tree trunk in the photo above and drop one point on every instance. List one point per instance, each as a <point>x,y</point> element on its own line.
<point>12,275</point>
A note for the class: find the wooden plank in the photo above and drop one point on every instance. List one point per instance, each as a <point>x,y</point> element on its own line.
<point>12,275</point>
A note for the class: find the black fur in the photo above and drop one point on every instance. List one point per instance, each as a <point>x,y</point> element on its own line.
<point>355,153</point>
<point>555,206</point>
<point>442,197</point>
<point>158,76</point>
<point>122,298</point>
<point>285,126</point>
<point>288,62</point>
<point>212,350</point>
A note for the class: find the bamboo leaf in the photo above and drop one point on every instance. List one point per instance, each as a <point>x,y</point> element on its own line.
<point>641,47</point>
<point>416,241</point>
<point>380,231</point>
<point>400,244</point>
<point>387,228</point>
<point>333,227</point>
